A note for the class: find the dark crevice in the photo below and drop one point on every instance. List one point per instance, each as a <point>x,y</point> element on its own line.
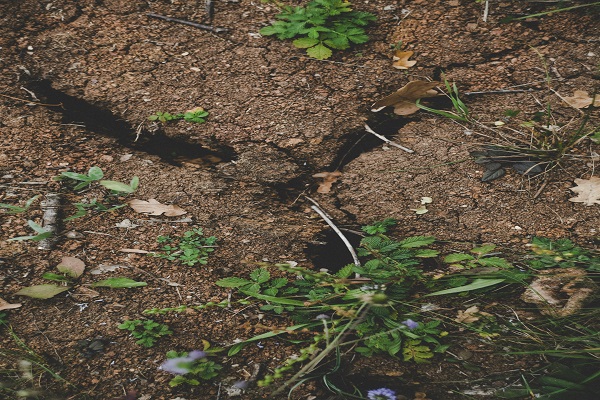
<point>329,251</point>
<point>359,141</point>
<point>104,122</point>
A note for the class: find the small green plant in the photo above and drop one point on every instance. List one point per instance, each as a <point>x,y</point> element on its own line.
<point>561,253</point>
<point>93,205</point>
<point>190,249</point>
<point>196,115</point>
<point>42,233</point>
<point>192,366</point>
<point>147,332</point>
<point>320,26</point>
<point>365,311</point>
<point>80,180</point>
<point>96,174</point>
<point>18,209</point>
<point>461,111</point>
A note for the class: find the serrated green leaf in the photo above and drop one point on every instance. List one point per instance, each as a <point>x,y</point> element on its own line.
<point>42,291</point>
<point>494,262</point>
<point>305,42</point>
<point>483,250</point>
<point>416,241</point>
<point>426,253</point>
<point>475,285</point>
<point>119,282</point>
<point>232,282</point>
<point>320,52</point>
<point>260,275</point>
<point>455,258</point>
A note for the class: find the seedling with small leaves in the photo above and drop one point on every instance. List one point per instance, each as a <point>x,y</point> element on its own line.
<point>94,174</point>
<point>196,115</point>
<point>321,26</point>
<point>93,205</point>
<point>18,209</point>
<point>147,332</point>
<point>190,249</point>
<point>42,233</point>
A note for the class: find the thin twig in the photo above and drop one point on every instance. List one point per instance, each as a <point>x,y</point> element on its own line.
<point>322,214</point>
<point>486,10</point>
<point>388,141</point>
<point>190,23</point>
<point>31,103</point>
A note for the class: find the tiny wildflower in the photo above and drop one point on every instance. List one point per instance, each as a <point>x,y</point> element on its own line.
<point>410,324</point>
<point>381,394</point>
<point>182,365</point>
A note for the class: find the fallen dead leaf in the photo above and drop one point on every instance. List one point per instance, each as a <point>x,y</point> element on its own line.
<point>5,305</point>
<point>153,207</point>
<point>401,59</point>
<point>404,99</point>
<point>468,316</point>
<point>588,191</point>
<point>71,266</point>
<point>581,99</point>
<point>329,178</point>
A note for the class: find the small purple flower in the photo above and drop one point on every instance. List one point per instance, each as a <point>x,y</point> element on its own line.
<point>410,324</point>
<point>381,394</point>
<point>182,365</point>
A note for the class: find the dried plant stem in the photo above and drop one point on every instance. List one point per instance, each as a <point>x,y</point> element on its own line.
<point>386,140</point>
<point>322,214</point>
<point>213,29</point>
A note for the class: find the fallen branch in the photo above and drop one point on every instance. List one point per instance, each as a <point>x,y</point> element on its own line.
<point>388,141</point>
<point>210,28</point>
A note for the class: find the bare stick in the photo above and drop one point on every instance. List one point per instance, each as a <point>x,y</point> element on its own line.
<point>322,214</point>
<point>190,23</point>
<point>388,141</point>
<point>51,208</point>
<point>486,11</point>
<point>498,91</point>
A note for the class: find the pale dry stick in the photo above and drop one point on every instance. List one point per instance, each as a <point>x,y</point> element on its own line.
<point>486,10</point>
<point>563,99</point>
<point>322,214</point>
<point>386,140</point>
<point>190,23</point>
<point>51,208</point>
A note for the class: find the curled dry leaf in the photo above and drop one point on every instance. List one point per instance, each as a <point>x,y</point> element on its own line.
<point>5,305</point>
<point>581,99</point>
<point>468,316</point>
<point>401,59</point>
<point>405,98</point>
<point>329,179</point>
<point>153,207</point>
<point>588,191</point>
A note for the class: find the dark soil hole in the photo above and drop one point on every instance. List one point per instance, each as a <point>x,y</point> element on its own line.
<point>103,122</point>
<point>329,251</point>
<point>360,141</point>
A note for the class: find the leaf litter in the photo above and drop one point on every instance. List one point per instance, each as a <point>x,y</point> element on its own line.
<point>401,59</point>
<point>404,99</point>
<point>587,190</point>
<point>153,207</point>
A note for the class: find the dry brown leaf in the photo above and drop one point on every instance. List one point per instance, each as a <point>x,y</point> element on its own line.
<point>404,99</point>
<point>153,207</point>
<point>581,99</point>
<point>401,59</point>
<point>5,305</point>
<point>71,266</point>
<point>468,316</point>
<point>329,178</point>
<point>588,191</point>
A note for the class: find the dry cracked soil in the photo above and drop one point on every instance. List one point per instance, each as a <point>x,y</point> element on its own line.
<point>80,78</point>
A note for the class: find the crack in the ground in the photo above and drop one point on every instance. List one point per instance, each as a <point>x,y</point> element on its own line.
<point>105,123</point>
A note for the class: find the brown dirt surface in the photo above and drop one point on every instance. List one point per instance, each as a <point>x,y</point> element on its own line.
<point>99,68</point>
